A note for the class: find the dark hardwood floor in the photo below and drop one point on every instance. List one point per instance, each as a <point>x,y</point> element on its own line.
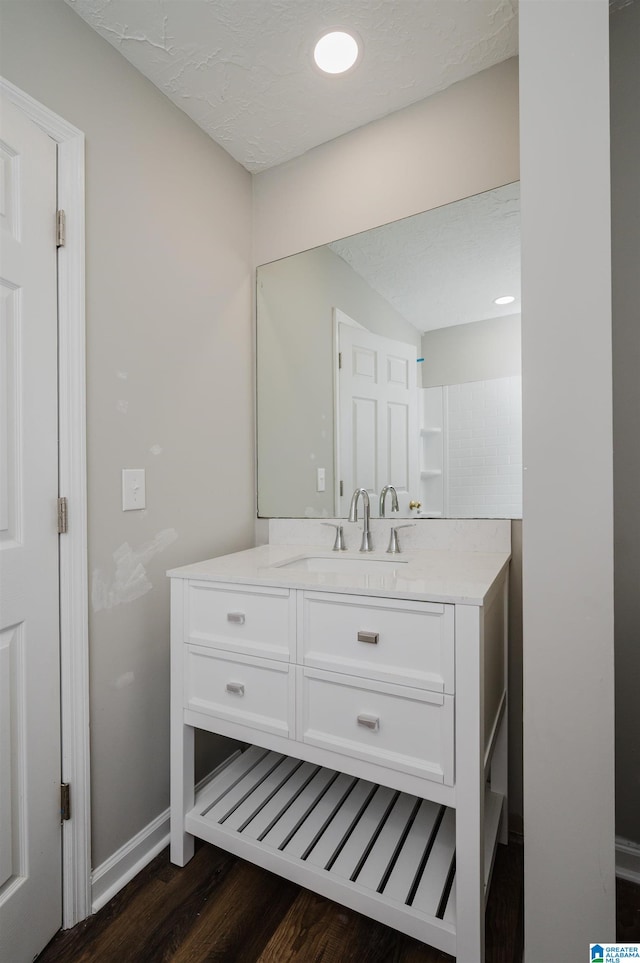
<point>220,909</point>
<point>628,912</point>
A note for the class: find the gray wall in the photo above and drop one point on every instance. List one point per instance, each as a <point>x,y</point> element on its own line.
<point>569,886</point>
<point>295,297</point>
<point>411,161</point>
<point>169,357</point>
<point>479,351</point>
<point>625,198</point>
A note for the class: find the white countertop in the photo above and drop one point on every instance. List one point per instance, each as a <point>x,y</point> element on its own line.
<point>426,575</point>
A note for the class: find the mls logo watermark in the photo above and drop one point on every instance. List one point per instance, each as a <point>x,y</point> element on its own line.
<point>613,952</point>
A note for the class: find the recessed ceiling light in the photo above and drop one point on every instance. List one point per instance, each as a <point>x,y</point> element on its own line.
<point>506,299</point>
<point>336,52</point>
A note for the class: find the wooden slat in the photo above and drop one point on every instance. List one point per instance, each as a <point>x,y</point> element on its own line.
<point>404,872</point>
<point>364,833</point>
<point>280,801</point>
<point>385,846</point>
<point>340,826</point>
<point>293,817</point>
<point>228,777</point>
<point>261,795</point>
<point>436,872</point>
<point>319,816</point>
<point>244,787</point>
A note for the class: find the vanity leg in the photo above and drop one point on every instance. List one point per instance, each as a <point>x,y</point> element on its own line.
<point>470,903</point>
<point>182,737</point>
<point>182,793</point>
<point>500,760</point>
<point>499,775</point>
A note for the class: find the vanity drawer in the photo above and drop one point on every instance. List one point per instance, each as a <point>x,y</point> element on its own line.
<point>409,730</point>
<point>248,619</point>
<point>410,643</point>
<point>251,692</point>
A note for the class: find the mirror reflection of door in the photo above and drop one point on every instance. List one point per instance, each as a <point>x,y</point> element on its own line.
<point>376,418</point>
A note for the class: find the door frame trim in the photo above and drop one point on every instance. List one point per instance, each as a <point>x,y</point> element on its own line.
<point>74,633</point>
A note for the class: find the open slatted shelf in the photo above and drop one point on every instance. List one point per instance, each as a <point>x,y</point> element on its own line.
<point>384,853</point>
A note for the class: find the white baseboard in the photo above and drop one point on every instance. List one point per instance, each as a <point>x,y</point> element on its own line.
<point>627,860</point>
<point>110,877</point>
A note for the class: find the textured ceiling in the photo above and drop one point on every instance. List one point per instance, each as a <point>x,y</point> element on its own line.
<point>242,69</point>
<point>446,266</point>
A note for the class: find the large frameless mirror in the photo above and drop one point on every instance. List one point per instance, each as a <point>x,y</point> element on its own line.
<point>392,358</point>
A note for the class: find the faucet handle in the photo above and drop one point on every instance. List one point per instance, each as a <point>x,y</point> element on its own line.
<point>394,544</point>
<point>339,545</point>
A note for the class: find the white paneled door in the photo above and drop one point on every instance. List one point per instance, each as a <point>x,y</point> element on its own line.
<point>30,834</point>
<point>377,418</point>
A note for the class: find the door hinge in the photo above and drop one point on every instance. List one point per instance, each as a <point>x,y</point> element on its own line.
<point>65,801</point>
<point>339,359</point>
<point>62,516</point>
<point>341,489</point>
<point>61,228</point>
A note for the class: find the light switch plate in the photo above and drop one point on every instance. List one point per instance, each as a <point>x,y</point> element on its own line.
<point>133,489</point>
<point>320,479</point>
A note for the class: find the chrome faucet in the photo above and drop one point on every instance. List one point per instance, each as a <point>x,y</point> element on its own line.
<point>394,499</point>
<point>367,544</point>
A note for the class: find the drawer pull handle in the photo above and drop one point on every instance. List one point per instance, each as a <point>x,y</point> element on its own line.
<point>369,722</point>
<point>236,687</point>
<point>237,617</point>
<point>371,637</point>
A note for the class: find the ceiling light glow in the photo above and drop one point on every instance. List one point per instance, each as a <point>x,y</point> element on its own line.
<point>506,299</point>
<point>336,52</point>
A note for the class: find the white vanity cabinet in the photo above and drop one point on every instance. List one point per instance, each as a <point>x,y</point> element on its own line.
<point>375,772</point>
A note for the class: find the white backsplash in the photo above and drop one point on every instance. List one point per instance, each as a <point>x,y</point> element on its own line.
<point>452,534</point>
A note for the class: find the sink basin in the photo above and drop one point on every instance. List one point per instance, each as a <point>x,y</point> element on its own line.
<point>350,565</point>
